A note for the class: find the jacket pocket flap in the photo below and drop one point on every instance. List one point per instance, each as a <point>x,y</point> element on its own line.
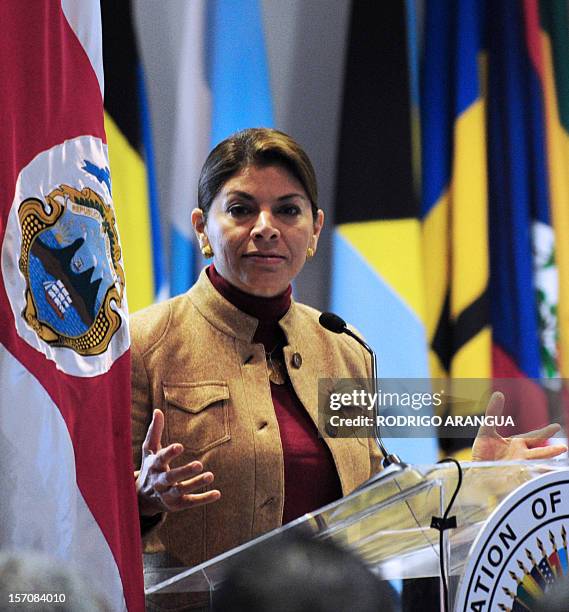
<point>194,397</point>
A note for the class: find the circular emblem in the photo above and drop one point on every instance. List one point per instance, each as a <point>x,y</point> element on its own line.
<point>521,551</point>
<point>61,259</point>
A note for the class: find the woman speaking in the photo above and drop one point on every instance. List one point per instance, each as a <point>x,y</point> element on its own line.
<point>232,367</point>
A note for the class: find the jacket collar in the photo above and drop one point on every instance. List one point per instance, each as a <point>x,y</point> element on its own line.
<point>224,316</point>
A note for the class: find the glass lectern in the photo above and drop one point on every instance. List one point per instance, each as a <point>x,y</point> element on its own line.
<point>388,523</point>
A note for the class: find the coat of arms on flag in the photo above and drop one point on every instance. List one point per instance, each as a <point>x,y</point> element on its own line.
<point>68,292</point>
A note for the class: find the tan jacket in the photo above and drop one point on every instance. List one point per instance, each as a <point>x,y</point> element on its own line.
<point>193,358</point>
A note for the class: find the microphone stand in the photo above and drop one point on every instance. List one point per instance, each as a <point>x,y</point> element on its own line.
<point>388,458</point>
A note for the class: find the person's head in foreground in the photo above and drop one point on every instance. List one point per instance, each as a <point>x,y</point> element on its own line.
<point>257,212</point>
<point>556,599</point>
<point>46,584</point>
<point>299,574</point>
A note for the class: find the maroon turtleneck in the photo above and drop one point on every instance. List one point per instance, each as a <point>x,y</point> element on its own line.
<point>311,479</point>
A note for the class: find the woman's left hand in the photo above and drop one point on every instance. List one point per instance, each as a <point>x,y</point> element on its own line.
<point>489,445</point>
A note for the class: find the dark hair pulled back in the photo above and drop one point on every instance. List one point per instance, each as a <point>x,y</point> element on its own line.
<point>255,147</point>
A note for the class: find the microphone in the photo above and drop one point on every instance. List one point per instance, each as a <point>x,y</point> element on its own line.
<point>332,322</point>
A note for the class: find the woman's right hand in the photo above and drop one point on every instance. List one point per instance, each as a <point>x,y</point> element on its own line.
<point>161,488</point>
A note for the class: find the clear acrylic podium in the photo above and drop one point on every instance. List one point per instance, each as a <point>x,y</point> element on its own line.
<point>388,523</point>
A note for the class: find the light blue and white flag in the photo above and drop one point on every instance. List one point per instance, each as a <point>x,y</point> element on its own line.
<point>223,87</point>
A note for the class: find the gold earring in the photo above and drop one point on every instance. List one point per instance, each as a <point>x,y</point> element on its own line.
<point>207,251</point>
<point>309,253</point>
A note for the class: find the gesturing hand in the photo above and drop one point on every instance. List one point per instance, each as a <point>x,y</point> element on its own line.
<point>489,445</point>
<point>161,488</point>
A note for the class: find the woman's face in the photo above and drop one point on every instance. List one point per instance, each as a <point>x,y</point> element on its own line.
<point>259,226</point>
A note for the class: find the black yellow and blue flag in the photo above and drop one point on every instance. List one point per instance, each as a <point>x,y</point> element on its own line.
<point>454,194</point>
<point>128,127</point>
<point>377,282</point>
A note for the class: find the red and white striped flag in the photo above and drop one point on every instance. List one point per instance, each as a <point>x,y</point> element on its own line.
<point>66,477</point>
